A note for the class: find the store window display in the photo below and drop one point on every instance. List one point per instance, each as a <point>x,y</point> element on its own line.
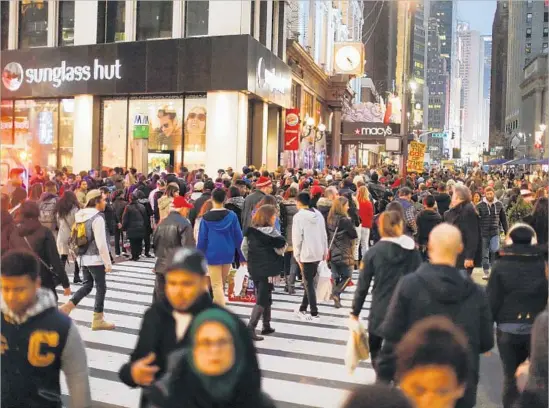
<point>195,133</point>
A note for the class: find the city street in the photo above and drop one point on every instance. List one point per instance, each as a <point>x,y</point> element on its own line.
<point>302,363</point>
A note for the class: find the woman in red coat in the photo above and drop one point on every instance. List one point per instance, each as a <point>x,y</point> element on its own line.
<point>366,213</point>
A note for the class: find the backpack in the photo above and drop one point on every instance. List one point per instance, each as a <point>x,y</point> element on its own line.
<point>79,241</point>
<point>47,213</point>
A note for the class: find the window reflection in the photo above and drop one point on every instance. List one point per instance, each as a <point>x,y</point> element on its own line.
<point>33,23</point>
<point>154,19</point>
<point>66,23</point>
<point>196,16</point>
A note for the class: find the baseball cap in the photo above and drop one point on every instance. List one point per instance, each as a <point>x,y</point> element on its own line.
<point>92,194</point>
<point>181,202</point>
<point>188,259</point>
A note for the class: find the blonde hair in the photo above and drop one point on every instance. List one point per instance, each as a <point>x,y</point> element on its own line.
<point>363,194</point>
<point>338,208</point>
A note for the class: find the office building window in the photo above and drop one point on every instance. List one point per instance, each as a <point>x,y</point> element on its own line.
<point>528,33</point>
<point>66,23</point>
<point>196,18</point>
<point>530,3</point>
<point>4,24</point>
<point>529,18</point>
<point>545,46</point>
<point>111,21</point>
<point>546,17</point>
<point>154,19</point>
<point>263,22</point>
<point>528,48</point>
<point>33,24</point>
<point>296,95</point>
<point>545,32</point>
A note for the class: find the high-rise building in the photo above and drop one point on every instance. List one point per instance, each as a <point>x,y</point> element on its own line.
<point>499,76</point>
<point>528,36</point>
<point>445,14</point>
<point>380,41</point>
<point>437,79</point>
<point>471,72</point>
<point>487,67</point>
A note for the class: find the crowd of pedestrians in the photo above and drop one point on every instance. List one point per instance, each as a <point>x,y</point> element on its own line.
<point>414,240</point>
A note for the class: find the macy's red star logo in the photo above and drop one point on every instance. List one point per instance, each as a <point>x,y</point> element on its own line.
<point>357,131</point>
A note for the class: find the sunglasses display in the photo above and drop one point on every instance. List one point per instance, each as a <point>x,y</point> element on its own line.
<point>201,116</point>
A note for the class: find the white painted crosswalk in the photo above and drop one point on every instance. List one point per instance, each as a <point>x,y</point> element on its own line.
<point>302,362</point>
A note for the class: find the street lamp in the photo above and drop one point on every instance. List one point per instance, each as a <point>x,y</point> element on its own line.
<point>413,86</point>
<point>319,133</point>
<point>542,127</point>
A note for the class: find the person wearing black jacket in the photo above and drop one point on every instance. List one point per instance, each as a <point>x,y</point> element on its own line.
<point>6,222</point>
<point>426,220</point>
<point>347,192</point>
<point>119,206</point>
<point>439,288</point>
<point>443,199</point>
<point>463,215</point>
<point>341,236</point>
<point>134,223</point>
<point>263,246</point>
<point>32,236</point>
<point>288,208</point>
<point>517,290</point>
<point>186,297</point>
<point>144,201</point>
<point>206,195</point>
<point>393,257</point>
<point>174,232</point>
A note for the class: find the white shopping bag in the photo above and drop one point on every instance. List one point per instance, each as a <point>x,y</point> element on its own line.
<point>324,284</point>
<point>241,273</point>
<point>358,348</point>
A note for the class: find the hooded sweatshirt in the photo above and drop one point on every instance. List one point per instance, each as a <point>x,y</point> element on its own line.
<point>100,256</point>
<point>219,235</point>
<point>426,221</point>
<point>438,290</point>
<point>309,238</point>
<point>24,384</point>
<point>386,262</point>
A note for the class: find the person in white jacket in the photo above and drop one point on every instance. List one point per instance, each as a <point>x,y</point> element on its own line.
<point>96,261</point>
<point>310,244</point>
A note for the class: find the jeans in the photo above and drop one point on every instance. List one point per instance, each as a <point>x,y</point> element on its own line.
<point>310,270</point>
<point>490,245</point>
<point>514,349</point>
<point>90,274</point>
<point>218,276</point>
<point>118,239</point>
<point>290,268</point>
<point>375,343</point>
<point>136,247</point>
<point>341,273</point>
<point>263,292</point>
<point>159,287</point>
<point>356,243</point>
<point>364,240</point>
<point>65,260</point>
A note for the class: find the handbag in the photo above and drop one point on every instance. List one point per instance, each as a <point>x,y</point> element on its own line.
<point>56,279</point>
<point>329,256</point>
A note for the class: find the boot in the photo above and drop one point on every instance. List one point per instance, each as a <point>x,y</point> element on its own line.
<point>267,329</point>
<point>67,308</point>
<point>257,311</point>
<point>338,290</point>
<point>99,324</point>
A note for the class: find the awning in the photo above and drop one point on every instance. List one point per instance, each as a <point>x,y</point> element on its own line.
<point>542,161</point>
<point>495,162</point>
<point>518,162</point>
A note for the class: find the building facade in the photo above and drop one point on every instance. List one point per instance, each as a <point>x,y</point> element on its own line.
<point>471,72</point>
<point>204,84</point>
<point>528,36</point>
<point>498,85</point>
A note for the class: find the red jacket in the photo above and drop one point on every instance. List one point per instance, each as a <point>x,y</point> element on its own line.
<point>366,213</point>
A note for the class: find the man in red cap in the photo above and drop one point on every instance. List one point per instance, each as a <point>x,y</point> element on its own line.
<point>175,231</point>
<point>263,187</point>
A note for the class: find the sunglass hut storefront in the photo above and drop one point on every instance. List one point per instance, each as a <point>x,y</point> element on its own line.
<point>208,102</point>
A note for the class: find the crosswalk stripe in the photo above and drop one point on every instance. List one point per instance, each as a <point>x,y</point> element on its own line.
<point>302,362</point>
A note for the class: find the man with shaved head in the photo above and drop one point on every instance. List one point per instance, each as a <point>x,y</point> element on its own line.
<point>439,288</point>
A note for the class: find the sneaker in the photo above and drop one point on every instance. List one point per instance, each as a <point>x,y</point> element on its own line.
<point>337,301</point>
<point>301,315</point>
<point>314,319</point>
<point>486,276</point>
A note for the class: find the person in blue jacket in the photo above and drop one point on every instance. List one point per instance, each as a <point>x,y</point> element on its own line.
<point>220,234</point>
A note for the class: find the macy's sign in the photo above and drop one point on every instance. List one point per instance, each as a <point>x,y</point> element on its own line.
<point>374,131</point>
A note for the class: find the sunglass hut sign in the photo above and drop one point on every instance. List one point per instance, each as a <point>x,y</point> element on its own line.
<point>14,75</point>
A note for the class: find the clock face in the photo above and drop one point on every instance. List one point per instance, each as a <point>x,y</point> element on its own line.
<point>347,59</point>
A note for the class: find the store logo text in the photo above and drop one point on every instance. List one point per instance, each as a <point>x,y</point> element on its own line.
<point>374,131</point>
<point>275,82</point>
<point>66,73</point>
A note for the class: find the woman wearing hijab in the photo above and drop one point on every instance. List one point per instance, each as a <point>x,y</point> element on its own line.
<point>219,369</point>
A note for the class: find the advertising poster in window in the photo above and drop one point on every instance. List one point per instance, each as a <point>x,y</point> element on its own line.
<point>194,155</point>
